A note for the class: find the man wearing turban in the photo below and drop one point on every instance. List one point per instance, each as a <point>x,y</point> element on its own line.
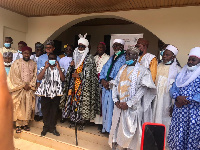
<point>81,101</point>
<point>166,74</point>
<point>21,83</point>
<point>185,123</point>
<point>108,73</point>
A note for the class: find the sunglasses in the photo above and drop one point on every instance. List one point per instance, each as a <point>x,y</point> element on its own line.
<point>81,46</point>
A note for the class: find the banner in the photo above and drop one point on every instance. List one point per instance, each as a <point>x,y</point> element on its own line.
<point>130,39</point>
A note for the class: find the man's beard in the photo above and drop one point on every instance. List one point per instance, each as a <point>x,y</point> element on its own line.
<point>141,52</point>
<point>26,59</point>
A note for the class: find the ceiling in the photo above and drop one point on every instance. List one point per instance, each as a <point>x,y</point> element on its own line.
<point>36,8</point>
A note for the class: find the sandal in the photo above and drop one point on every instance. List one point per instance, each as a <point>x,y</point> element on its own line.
<point>18,129</point>
<point>81,127</point>
<point>26,128</point>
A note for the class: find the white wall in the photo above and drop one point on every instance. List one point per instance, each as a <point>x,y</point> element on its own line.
<point>13,25</point>
<point>97,34</point>
<point>178,26</point>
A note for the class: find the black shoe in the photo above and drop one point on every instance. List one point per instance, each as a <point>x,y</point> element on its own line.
<point>55,132</point>
<point>62,120</point>
<point>43,133</point>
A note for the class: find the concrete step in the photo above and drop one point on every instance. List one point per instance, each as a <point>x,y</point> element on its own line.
<point>21,144</point>
<point>89,138</point>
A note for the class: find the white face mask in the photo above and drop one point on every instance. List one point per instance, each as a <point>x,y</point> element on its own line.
<point>7,64</point>
<point>193,68</point>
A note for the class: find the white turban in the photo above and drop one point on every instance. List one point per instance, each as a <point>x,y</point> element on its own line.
<point>83,40</point>
<point>119,41</point>
<point>195,52</point>
<point>173,49</point>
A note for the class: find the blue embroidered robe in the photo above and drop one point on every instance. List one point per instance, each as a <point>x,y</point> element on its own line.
<point>107,101</point>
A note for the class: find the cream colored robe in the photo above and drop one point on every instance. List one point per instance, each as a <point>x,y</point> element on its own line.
<point>163,101</point>
<point>126,127</point>
<point>3,50</point>
<point>22,72</point>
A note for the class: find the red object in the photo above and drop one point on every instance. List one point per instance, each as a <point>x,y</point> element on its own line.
<point>160,136</point>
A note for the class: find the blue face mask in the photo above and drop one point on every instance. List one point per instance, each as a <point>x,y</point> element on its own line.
<point>129,62</point>
<point>162,52</point>
<point>19,51</point>
<point>117,53</point>
<point>7,44</point>
<point>7,70</point>
<point>168,63</point>
<point>52,62</point>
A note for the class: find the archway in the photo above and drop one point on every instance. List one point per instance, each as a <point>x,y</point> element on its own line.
<point>98,27</point>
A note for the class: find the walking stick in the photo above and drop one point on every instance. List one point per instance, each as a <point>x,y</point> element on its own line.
<point>76,133</point>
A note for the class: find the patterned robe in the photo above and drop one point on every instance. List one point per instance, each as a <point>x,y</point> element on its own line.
<point>22,72</point>
<point>133,85</point>
<point>107,101</point>
<point>88,104</point>
<point>185,124</point>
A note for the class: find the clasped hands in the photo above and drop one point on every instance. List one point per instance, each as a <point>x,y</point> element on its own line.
<point>121,105</point>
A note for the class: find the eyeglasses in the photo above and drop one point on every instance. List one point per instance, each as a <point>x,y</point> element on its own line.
<point>81,46</point>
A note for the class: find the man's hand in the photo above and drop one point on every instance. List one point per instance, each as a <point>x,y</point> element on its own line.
<point>37,85</point>
<point>27,87</point>
<point>105,84</point>
<point>75,75</point>
<point>6,115</point>
<point>57,64</point>
<point>117,104</point>
<point>178,104</point>
<point>182,100</point>
<point>72,63</point>
<point>46,64</point>
<point>123,105</point>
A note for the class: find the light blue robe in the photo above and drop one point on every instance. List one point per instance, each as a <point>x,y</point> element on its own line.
<point>107,101</point>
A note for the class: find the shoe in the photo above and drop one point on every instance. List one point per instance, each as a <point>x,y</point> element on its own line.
<point>55,132</point>
<point>43,133</point>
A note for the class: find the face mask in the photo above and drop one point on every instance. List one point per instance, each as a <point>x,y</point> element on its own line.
<point>168,63</point>
<point>19,51</point>
<point>52,62</point>
<point>7,70</point>
<point>162,52</point>
<point>117,53</point>
<point>7,64</point>
<point>7,44</point>
<point>129,62</point>
<point>193,68</point>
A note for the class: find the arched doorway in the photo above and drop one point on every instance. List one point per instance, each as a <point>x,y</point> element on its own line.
<point>99,29</point>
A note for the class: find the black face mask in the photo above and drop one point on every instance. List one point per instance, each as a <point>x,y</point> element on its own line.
<point>141,52</point>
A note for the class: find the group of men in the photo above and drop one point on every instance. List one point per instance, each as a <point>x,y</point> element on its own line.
<point>120,92</point>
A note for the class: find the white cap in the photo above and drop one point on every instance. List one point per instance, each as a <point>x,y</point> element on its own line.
<point>83,40</point>
<point>173,49</point>
<point>195,52</point>
<point>119,41</point>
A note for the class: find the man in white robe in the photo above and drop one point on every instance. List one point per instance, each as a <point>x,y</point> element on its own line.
<point>100,59</point>
<point>166,74</point>
<point>149,61</point>
<point>133,92</point>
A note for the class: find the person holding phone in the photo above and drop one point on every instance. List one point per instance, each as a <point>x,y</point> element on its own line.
<point>50,91</point>
<point>132,93</point>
